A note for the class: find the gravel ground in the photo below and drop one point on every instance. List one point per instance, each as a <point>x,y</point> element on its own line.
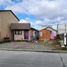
<point>25,45</point>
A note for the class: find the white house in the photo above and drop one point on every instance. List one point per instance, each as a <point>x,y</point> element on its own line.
<point>62,30</point>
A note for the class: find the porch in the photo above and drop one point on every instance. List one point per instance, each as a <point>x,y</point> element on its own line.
<point>20,31</point>
<point>21,35</point>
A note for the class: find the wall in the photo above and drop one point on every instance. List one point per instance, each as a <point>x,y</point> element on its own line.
<point>6,18</point>
<point>19,37</point>
<point>45,35</point>
<point>32,34</point>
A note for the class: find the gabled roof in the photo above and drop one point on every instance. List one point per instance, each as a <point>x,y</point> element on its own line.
<point>11,12</point>
<point>34,29</point>
<point>49,28</point>
<point>19,26</point>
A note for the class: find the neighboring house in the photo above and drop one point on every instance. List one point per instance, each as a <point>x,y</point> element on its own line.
<point>62,32</point>
<point>6,18</point>
<point>53,32</point>
<point>34,34</point>
<point>20,31</point>
<point>47,34</point>
<point>23,31</point>
<point>44,35</point>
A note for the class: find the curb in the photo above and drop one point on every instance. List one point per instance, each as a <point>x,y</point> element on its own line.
<point>30,50</point>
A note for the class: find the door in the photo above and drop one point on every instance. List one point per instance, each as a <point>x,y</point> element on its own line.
<point>26,35</point>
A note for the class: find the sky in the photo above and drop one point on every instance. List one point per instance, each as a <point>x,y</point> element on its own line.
<point>39,13</point>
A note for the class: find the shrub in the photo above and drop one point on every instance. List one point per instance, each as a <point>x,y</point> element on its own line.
<point>6,39</point>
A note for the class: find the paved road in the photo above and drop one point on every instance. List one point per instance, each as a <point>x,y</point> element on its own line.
<point>32,59</point>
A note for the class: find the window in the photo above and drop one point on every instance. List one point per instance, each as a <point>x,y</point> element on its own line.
<point>18,32</point>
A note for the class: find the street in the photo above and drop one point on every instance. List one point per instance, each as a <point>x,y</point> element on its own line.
<point>32,59</point>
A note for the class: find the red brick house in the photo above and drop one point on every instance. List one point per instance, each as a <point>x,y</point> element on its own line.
<point>47,34</point>
<point>44,35</point>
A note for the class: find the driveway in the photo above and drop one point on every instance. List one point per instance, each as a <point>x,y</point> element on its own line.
<point>32,59</point>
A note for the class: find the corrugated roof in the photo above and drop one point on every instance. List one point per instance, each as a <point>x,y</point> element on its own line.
<point>15,26</point>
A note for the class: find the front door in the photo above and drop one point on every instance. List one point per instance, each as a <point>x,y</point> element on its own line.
<point>26,34</point>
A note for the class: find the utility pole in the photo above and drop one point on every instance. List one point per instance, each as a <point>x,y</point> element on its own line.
<point>65,36</point>
<point>57,28</point>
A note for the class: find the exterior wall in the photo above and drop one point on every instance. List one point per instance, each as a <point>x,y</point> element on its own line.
<point>6,18</point>
<point>0,32</point>
<point>44,35</point>
<point>19,37</point>
<point>32,34</point>
<point>53,34</point>
<point>29,35</point>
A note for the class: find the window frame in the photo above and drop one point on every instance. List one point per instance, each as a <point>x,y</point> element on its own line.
<point>18,32</point>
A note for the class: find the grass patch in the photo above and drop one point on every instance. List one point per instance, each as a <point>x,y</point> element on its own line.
<point>64,48</point>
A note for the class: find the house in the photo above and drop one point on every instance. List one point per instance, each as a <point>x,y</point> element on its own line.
<point>53,32</point>
<point>62,32</point>
<point>11,29</point>
<point>23,31</point>
<point>47,33</point>
<point>34,34</point>
<point>44,35</point>
<point>6,18</point>
<point>20,31</point>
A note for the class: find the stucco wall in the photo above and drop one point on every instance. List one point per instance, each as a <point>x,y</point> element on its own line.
<point>19,37</point>
<point>6,18</point>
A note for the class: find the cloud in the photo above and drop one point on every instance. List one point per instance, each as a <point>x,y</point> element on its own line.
<point>6,2</point>
<point>46,11</point>
<point>27,20</point>
<point>24,21</point>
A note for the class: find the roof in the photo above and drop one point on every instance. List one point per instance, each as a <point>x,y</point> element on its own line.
<point>19,26</point>
<point>34,29</point>
<point>49,28</point>
<point>11,12</point>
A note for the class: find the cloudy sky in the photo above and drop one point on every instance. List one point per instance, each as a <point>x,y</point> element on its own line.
<point>39,13</point>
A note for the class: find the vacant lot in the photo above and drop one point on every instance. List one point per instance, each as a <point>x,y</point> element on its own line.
<point>26,45</point>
